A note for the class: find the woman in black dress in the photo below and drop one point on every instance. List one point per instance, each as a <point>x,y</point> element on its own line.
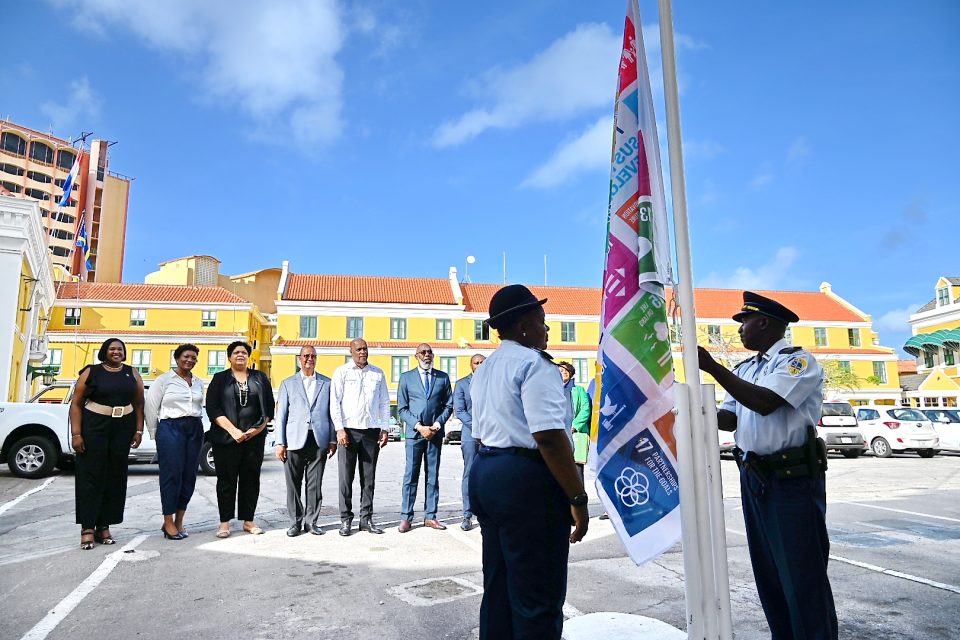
<point>106,420</point>
<point>239,405</point>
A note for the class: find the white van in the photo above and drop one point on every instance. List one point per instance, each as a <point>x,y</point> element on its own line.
<point>888,429</point>
<point>839,430</point>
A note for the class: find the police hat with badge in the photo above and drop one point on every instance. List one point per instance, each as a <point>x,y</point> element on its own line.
<point>755,303</point>
<point>509,304</point>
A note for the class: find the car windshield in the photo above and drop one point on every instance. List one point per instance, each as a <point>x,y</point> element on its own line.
<point>837,409</point>
<point>907,414</point>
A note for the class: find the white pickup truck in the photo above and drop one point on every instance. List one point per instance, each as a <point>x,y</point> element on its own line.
<point>35,435</point>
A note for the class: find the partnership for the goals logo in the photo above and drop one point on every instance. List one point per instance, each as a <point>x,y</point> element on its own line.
<point>632,487</point>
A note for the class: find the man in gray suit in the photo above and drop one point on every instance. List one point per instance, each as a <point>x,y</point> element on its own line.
<point>424,403</point>
<point>463,409</point>
<point>305,434</point>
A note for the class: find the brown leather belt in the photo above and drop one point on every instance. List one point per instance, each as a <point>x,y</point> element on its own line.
<point>104,410</point>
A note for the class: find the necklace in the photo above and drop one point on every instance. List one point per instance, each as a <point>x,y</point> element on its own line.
<point>244,392</point>
<point>187,378</point>
<point>109,368</point>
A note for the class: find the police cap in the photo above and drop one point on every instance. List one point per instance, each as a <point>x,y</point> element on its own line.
<point>509,303</point>
<point>755,303</point>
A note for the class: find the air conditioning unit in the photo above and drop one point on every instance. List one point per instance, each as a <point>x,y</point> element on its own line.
<point>38,349</point>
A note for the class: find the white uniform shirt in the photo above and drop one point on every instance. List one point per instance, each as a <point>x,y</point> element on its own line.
<point>359,398</point>
<point>309,386</point>
<point>516,393</point>
<point>797,378</point>
<point>169,396</point>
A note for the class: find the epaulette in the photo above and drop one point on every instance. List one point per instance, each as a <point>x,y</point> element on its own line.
<point>788,350</point>
<point>743,362</point>
<point>547,356</point>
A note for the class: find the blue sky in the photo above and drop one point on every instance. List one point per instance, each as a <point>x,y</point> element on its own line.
<point>822,138</point>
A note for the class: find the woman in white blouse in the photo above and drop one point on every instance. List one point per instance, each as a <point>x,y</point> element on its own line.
<point>174,405</point>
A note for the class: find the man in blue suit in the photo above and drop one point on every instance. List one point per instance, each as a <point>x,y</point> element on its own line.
<point>463,409</point>
<point>306,439</point>
<point>424,403</point>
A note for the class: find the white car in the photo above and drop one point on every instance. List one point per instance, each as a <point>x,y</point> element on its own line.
<point>839,430</point>
<point>889,429</point>
<point>947,424</point>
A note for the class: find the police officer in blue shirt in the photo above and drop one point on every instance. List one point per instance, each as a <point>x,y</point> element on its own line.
<point>773,401</point>
<point>524,486</point>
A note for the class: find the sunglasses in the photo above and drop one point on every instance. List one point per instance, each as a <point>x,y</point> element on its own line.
<point>424,353</point>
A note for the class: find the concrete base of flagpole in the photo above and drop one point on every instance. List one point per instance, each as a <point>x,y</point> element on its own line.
<point>622,626</point>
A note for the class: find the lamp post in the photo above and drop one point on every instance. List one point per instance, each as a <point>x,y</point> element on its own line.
<point>466,268</point>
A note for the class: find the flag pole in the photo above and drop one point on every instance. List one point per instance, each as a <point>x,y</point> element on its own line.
<point>705,546</point>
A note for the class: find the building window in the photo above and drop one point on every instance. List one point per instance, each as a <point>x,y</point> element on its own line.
<point>444,329</point>
<point>448,364</point>
<point>948,357</point>
<point>12,169</point>
<point>62,234</point>
<point>60,182</point>
<point>63,218</point>
<point>354,328</point>
<point>398,328</point>
<point>676,335</point>
<point>173,360</point>
<point>398,364</point>
<point>844,365</point>
<point>928,359</point>
<point>481,330</point>
<point>568,332</point>
<point>713,333</point>
<point>216,361</point>
<point>9,186</point>
<point>65,159</point>
<point>13,144</point>
<point>36,194</point>
<point>583,375</point>
<point>62,252</point>
<point>138,317</point>
<point>71,316</point>
<point>308,326</point>
<point>943,296</point>
<point>854,336</point>
<point>820,336</point>
<point>54,358</point>
<point>880,372</point>
<point>141,360</point>
<point>39,177</point>
<point>41,152</point>
<point>788,335</point>
<point>347,359</point>
<point>208,319</point>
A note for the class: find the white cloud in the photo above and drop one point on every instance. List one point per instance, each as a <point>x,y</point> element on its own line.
<point>761,180</point>
<point>571,75</point>
<point>896,320</point>
<point>273,61</point>
<point>79,107</point>
<point>586,152</point>
<point>800,148</point>
<point>772,275</point>
<point>706,149</point>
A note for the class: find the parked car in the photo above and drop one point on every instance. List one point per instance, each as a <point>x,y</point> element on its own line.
<point>395,430</point>
<point>946,422</point>
<point>889,429</point>
<point>727,443</point>
<point>452,429</point>
<point>839,430</point>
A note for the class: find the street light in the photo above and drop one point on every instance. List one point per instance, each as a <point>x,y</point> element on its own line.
<point>466,269</point>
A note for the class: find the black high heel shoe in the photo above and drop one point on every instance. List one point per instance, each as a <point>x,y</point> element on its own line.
<point>175,536</point>
<point>87,544</point>
<point>103,539</point>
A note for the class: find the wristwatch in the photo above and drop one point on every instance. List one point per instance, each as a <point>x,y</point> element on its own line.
<point>580,500</point>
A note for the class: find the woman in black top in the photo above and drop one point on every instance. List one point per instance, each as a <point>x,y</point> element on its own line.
<point>239,404</point>
<point>106,420</point>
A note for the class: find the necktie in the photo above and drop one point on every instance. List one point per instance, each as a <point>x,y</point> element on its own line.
<point>426,382</point>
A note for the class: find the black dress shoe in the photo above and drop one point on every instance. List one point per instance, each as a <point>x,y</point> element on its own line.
<point>316,530</point>
<point>294,531</point>
<point>369,527</point>
<point>345,527</point>
<point>467,524</point>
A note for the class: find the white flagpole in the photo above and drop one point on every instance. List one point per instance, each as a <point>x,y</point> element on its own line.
<point>708,606</point>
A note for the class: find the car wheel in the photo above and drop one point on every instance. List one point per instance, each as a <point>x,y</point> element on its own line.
<point>851,453</point>
<point>207,465</point>
<point>926,453</point>
<point>881,448</point>
<point>32,457</point>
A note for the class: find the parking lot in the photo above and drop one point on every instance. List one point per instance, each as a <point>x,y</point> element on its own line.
<point>894,525</point>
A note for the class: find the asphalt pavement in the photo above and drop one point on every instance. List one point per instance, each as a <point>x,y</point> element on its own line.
<point>894,525</point>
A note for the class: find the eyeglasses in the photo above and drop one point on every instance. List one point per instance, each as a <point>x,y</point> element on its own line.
<point>308,356</point>
<point>425,353</point>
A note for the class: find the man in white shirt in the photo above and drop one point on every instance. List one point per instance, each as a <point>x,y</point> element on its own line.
<point>360,411</point>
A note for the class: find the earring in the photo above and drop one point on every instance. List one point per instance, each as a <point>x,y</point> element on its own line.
<point>524,334</point>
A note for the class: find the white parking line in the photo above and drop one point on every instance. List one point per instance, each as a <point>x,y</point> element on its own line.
<point>890,572</point>
<point>6,506</point>
<point>910,513</point>
<point>43,628</point>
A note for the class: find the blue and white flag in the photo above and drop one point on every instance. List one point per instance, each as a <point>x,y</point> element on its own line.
<point>83,244</point>
<point>68,183</point>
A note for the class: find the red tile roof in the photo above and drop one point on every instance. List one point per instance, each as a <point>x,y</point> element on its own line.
<point>337,288</point>
<point>710,303</point>
<point>118,292</point>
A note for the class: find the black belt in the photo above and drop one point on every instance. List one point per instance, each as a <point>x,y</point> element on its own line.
<point>796,462</point>
<point>533,454</point>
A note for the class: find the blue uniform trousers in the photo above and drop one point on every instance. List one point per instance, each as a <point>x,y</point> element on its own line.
<point>789,547</point>
<point>418,449</point>
<point>525,521</point>
<point>179,441</point>
<point>468,447</point>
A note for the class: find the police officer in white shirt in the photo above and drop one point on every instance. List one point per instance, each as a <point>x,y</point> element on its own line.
<point>524,487</point>
<point>773,401</point>
<point>360,411</point>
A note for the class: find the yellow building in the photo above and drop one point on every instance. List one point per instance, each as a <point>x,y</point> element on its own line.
<point>935,344</point>
<point>35,165</point>
<point>26,295</point>
<point>152,320</point>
